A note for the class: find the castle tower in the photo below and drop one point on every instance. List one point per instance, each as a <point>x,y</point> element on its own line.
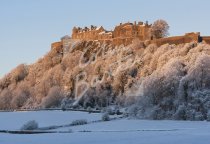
<point>74,33</point>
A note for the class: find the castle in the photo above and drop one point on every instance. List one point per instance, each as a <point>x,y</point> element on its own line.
<point>125,34</point>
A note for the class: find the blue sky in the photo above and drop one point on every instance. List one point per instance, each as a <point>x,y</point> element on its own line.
<point>28,27</point>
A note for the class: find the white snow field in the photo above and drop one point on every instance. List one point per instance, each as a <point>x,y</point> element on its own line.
<point>123,131</point>
<point>14,120</point>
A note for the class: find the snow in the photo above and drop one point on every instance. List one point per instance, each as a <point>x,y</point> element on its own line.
<point>14,120</point>
<point>98,27</point>
<point>122,131</point>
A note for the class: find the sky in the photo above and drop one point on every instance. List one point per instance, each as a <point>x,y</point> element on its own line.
<point>28,27</point>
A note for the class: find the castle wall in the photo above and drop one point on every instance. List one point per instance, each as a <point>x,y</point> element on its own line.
<point>206,39</point>
<point>87,34</point>
<point>124,41</point>
<point>169,40</point>
<point>108,38</point>
<point>187,38</point>
<point>122,34</point>
<point>127,32</point>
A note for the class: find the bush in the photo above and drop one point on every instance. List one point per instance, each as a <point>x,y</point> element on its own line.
<point>79,122</point>
<point>31,125</point>
<point>105,117</point>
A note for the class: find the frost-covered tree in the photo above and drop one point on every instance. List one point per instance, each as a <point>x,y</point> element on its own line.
<point>160,29</point>
<point>20,95</point>
<point>53,98</point>
<point>19,73</point>
<point>5,99</point>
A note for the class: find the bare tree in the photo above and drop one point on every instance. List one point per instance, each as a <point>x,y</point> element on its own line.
<point>160,29</point>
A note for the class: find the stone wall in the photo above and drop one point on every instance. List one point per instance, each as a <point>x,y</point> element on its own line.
<point>125,34</point>
<point>187,38</point>
<point>132,30</point>
<point>124,41</point>
<point>206,39</point>
<point>92,33</point>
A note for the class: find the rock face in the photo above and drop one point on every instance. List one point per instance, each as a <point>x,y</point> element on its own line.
<point>170,80</point>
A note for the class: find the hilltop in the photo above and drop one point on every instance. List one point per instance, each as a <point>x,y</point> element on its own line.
<point>167,81</point>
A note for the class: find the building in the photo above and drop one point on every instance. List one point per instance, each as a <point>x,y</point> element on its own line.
<point>122,32</point>
<point>92,33</point>
<point>132,30</point>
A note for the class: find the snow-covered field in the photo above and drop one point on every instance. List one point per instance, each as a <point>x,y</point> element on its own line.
<point>14,120</point>
<point>121,131</point>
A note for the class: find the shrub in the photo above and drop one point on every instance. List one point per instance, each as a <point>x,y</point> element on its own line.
<point>30,125</point>
<point>105,117</point>
<point>79,122</point>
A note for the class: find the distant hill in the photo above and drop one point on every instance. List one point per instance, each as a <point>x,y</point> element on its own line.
<point>170,81</point>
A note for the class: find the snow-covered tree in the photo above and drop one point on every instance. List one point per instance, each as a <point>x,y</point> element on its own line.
<point>160,29</point>
<point>53,98</point>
